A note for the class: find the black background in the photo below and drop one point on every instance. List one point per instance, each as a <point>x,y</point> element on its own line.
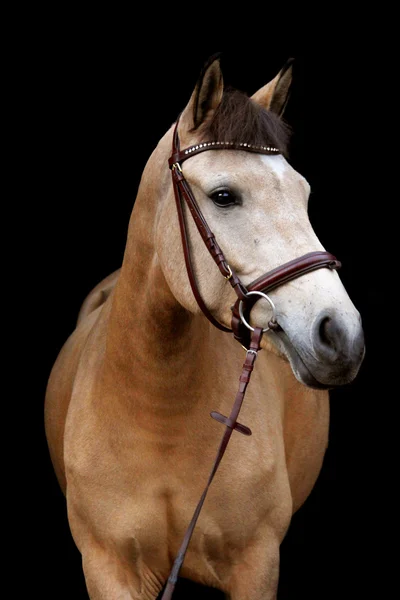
<point>93,111</point>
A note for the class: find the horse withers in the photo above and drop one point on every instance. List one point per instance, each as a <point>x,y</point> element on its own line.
<point>129,397</point>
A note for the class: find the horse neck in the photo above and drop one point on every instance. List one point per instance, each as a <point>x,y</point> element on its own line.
<point>153,344</point>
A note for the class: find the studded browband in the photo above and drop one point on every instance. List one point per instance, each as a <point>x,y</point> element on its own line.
<point>179,156</point>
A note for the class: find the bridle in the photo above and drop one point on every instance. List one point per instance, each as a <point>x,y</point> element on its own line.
<point>265,283</point>
<point>247,296</point>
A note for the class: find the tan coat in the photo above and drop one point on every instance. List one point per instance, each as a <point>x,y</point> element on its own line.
<point>128,400</point>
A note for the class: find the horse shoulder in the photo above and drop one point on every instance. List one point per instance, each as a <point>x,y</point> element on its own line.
<point>61,385</point>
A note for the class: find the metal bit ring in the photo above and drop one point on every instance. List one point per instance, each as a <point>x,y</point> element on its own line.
<point>266,298</point>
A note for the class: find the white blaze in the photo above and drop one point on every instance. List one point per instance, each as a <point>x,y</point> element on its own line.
<point>275,163</point>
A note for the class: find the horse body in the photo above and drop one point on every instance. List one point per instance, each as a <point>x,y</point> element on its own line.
<point>128,403</point>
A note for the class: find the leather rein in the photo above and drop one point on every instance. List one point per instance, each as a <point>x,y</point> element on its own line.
<point>247,296</point>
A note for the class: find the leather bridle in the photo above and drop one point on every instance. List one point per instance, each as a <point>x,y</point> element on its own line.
<point>247,296</point>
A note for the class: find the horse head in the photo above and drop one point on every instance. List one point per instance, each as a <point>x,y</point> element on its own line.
<point>256,205</point>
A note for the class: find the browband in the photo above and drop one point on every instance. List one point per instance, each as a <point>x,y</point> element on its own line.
<point>179,156</point>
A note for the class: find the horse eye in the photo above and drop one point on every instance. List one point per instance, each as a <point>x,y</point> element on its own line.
<point>224,198</point>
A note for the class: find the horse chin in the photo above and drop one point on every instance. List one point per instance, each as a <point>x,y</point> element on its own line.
<point>299,368</point>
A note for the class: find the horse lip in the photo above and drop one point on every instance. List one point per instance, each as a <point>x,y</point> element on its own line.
<point>300,369</point>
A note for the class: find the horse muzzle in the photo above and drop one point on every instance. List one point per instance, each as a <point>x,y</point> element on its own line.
<point>329,355</point>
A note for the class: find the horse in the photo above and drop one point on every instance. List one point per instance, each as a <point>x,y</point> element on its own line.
<point>128,398</point>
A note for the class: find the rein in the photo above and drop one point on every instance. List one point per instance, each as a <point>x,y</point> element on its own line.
<point>247,336</point>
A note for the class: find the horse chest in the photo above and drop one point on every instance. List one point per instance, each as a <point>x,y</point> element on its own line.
<point>148,527</point>
<point>239,502</point>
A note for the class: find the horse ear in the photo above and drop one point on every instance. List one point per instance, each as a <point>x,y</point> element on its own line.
<point>205,98</point>
<point>275,95</point>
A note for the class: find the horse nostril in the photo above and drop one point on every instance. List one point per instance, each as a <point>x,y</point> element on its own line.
<point>327,332</point>
<point>330,337</point>
<point>338,345</point>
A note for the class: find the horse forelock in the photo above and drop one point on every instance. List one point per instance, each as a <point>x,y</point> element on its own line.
<point>239,119</point>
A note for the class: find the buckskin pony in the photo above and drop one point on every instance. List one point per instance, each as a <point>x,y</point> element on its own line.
<point>129,398</point>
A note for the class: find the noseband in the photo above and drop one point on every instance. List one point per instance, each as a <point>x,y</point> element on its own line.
<point>247,296</point>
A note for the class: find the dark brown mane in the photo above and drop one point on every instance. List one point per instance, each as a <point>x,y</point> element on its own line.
<point>239,119</point>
